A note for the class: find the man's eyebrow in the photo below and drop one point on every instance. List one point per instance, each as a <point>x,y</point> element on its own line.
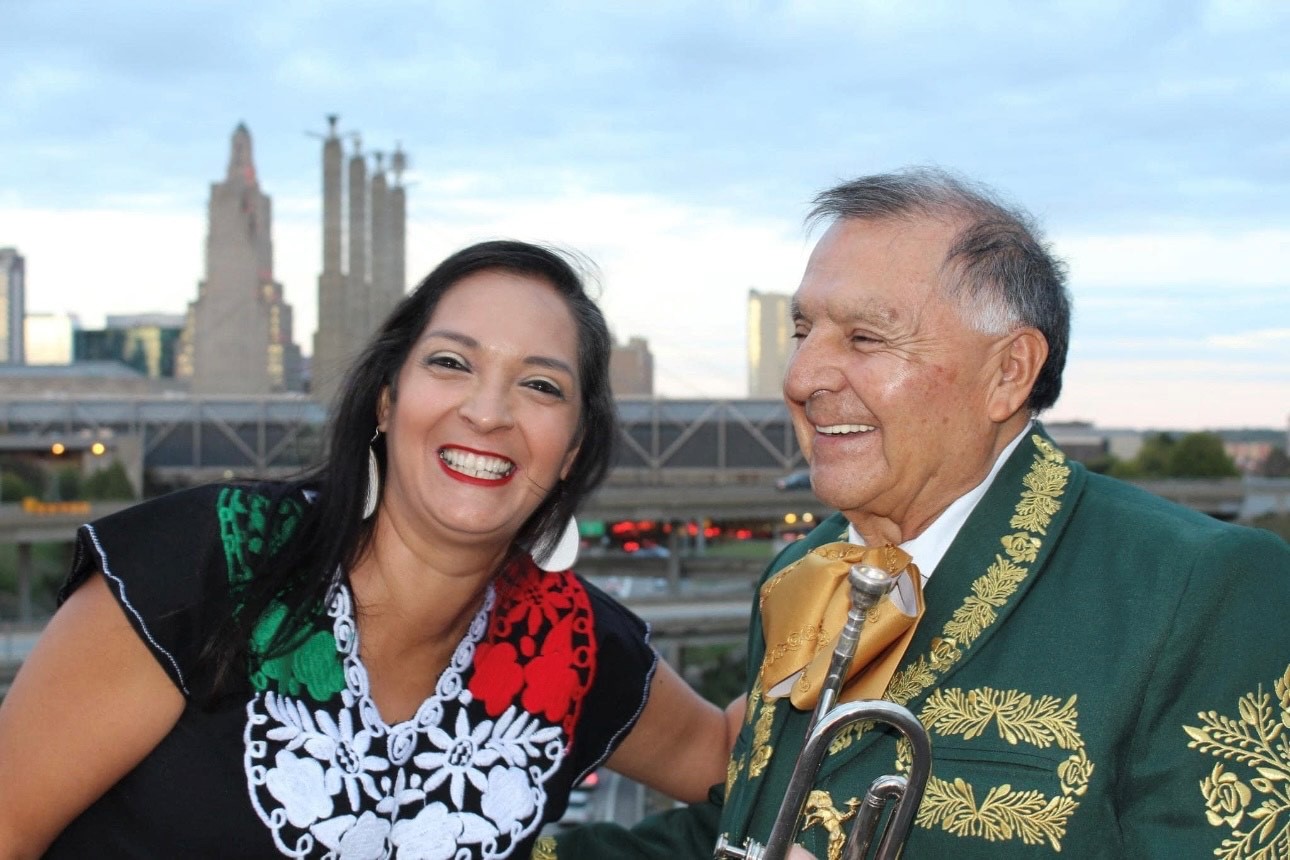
<point>863,310</point>
<point>546,361</point>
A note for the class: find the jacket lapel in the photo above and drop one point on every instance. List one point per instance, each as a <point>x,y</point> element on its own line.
<point>994,560</point>
<point>763,765</point>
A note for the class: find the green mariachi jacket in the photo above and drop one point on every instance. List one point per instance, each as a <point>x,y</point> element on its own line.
<point>1102,673</point>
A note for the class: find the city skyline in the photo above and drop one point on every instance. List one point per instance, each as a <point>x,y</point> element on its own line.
<point>679,152</point>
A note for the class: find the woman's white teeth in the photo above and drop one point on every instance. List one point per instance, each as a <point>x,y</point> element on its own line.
<point>843,429</point>
<point>476,465</point>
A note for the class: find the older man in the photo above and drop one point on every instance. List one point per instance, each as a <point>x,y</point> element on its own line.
<point>1102,673</point>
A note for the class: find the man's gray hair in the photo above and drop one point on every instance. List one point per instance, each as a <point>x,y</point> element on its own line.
<point>997,267</point>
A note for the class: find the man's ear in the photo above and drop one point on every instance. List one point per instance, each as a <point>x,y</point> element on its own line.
<point>1021,356</point>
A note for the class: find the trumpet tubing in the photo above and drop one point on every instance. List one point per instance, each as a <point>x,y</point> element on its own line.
<point>868,584</point>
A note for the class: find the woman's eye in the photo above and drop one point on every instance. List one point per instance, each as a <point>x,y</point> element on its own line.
<point>545,386</point>
<point>446,360</point>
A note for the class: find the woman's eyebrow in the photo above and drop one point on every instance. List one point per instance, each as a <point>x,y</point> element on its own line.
<point>545,361</point>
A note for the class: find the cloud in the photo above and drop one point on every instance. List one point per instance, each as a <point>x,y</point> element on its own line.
<point>1173,395</point>
<point>1275,337</point>
<point>95,262</point>
<point>1168,260</point>
<point>677,144</point>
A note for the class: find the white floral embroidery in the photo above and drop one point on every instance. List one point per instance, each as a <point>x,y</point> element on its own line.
<point>298,785</point>
<point>336,782</point>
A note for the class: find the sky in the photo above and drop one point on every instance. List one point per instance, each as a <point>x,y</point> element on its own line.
<point>678,145</point>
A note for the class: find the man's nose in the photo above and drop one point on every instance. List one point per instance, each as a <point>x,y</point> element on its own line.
<point>812,367</point>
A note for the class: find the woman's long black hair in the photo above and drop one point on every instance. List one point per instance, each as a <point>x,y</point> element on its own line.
<point>331,534</point>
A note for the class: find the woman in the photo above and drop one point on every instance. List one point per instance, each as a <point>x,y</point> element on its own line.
<point>367,662</point>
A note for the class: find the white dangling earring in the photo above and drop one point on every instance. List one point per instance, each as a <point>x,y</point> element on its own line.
<point>373,479</point>
<point>563,553</point>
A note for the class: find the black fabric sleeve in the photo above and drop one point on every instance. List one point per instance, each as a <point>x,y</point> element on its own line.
<point>162,560</point>
<point>625,664</point>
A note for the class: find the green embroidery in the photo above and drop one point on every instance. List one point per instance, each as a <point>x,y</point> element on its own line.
<point>313,664</point>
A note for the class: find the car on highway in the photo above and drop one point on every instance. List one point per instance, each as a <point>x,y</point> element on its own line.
<point>579,809</point>
<point>799,480</point>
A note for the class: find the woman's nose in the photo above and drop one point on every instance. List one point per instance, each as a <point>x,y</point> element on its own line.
<point>487,408</point>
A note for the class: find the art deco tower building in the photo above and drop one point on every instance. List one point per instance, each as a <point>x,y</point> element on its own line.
<point>770,343</point>
<point>237,335</point>
<point>367,215</point>
<point>13,306</point>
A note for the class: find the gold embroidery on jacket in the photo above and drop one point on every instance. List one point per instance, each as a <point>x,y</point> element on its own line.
<point>1004,814</point>
<point>1045,483</point>
<point>761,749</point>
<point>821,811</point>
<point>847,734</point>
<point>544,849</point>
<point>1259,740</point>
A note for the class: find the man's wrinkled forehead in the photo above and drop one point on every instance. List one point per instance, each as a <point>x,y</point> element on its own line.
<point>857,262</point>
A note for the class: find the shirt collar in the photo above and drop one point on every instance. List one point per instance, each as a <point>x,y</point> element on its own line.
<point>930,547</point>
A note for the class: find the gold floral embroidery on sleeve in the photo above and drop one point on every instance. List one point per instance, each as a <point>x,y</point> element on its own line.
<point>1259,740</point>
<point>732,770</point>
<point>544,849</point>
<point>762,749</point>
<point>1019,718</point>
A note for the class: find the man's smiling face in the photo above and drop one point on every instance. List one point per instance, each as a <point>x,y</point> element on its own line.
<point>889,388</point>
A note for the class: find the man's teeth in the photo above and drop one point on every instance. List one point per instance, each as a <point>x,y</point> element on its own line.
<point>843,429</point>
<point>476,465</point>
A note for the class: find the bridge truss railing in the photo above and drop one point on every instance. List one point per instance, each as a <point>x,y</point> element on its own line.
<point>660,441</point>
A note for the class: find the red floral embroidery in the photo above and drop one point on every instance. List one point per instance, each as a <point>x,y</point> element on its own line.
<point>497,677</point>
<point>550,680</point>
<point>540,651</point>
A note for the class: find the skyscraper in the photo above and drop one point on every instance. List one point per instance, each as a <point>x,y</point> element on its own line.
<point>237,335</point>
<point>355,295</point>
<point>13,306</point>
<point>770,342</point>
<point>631,368</point>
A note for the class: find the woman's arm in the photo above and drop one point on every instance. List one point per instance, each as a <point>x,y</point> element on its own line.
<point>680,744</point>
<point>89,704</point>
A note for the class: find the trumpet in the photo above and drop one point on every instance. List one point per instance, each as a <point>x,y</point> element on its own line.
<point>868,585</point>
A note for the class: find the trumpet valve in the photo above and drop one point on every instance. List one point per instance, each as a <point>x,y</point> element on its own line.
<point>751,850</point>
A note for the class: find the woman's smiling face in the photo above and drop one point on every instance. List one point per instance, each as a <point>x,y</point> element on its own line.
<point>482,423</point>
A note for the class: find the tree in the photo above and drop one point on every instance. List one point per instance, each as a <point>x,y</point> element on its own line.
<point>108,484</point>
<point>1195,455</point>
<point>1201,455</point>
<point>66,484</point>
<point>1277,465</point>
<point>13,488</point>
<point>1152,460</point>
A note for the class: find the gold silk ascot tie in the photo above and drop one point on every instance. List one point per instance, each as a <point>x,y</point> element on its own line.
<point>803,609</point>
